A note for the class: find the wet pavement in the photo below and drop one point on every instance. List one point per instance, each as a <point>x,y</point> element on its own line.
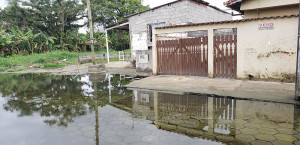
<point>241,89</point>
<point>96,109</point>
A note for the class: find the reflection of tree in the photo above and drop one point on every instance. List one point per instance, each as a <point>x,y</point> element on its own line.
<point>59,98</point>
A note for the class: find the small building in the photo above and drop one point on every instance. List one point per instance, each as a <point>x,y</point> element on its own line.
<point>140,25</point>
<point>262,45</point>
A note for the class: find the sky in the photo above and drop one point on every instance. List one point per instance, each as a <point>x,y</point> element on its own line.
<point>3,3</point>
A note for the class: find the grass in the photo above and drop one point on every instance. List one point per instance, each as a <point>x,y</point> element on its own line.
<point>49,60</point>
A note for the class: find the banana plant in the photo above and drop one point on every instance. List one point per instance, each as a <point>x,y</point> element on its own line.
<point>27,39</point>
<point>47,41</point>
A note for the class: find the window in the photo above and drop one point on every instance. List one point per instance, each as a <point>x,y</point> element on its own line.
<point>153,26</point>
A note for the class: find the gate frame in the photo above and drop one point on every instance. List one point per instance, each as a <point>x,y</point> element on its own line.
<point>234,74</point>
<point>183,56</point>
<point>210,31</point>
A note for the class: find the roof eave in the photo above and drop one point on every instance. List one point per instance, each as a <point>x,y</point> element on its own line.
<point>236,5</point>
<point>231,21</point>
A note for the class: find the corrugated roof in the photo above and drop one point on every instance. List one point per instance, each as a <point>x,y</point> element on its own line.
<point>197,1</point>
<point>231,21</point>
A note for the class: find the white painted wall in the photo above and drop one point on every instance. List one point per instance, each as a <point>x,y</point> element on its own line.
<point>262,53</point>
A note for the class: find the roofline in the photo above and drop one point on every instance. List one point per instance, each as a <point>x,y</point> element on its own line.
<point>230,2</point>
<point>231,21</point>
<point>202,2</point>
<point>233,3</point>
<point>117,25</point>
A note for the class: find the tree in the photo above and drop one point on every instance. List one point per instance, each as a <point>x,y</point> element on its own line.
<point>109,12</point>
<point>55,18</point>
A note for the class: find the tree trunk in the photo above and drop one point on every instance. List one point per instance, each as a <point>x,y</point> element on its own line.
<point>91,32</point>
<point>76,43</point>
<point>29,46</point>
<point>84,47</point>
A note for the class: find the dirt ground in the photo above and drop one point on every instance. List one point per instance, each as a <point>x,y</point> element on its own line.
<point>111,68</point>
<point>253,90</point>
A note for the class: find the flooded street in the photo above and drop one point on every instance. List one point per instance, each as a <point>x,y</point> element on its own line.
<point>97,110</point>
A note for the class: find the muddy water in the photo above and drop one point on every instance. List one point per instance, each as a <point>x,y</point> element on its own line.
<point>46,109</point>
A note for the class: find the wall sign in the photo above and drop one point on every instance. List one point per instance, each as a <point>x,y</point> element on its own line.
<point>143,58</point>
<point>266,26</point>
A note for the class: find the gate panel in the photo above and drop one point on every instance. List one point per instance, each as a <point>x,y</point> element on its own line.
<point>183,57</point>
<point>225,56</point>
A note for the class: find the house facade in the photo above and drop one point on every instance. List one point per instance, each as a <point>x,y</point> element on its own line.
<point>262,45</point>
<point>179,12</point>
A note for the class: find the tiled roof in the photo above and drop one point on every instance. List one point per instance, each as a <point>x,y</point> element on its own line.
<point>231,21</point>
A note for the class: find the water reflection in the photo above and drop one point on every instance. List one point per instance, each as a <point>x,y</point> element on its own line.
<point>220,119</point>
<point>97,109</point>
<point>59,98</point>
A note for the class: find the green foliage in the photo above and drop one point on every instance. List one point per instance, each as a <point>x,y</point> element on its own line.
<point>3,68</point>
<point>53,17</point>
<point>109,12</point>
<point>20,68</point>
<point>51,66</point>
<point>120,39</point>
<point>15,42</point>
<point>46,60</point>
<point>36,26</point>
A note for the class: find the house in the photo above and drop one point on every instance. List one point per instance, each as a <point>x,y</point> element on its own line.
<point>140,25</point>
<point>264,8</point>
<point>262,45</point>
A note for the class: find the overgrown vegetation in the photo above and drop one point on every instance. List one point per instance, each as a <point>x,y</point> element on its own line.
<point>48,60</point>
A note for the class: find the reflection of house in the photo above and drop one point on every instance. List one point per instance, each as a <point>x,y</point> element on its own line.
<point>262,45</point>
<point>219,119</point>
<point>141,24</point>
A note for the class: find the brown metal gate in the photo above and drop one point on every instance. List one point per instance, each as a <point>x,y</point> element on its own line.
<point>182,57</point>
<point>225,56</point>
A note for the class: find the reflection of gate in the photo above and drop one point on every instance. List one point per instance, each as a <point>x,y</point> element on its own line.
<point>183,104</point>
<point>182,57</point>
<point>224,115</point>
<point>225,56</point>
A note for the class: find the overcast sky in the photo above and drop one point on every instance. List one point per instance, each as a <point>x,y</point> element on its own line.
<point>3,3</point>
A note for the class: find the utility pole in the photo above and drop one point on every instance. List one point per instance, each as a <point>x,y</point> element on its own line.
<point>297,86</point>
<point>91,32</point>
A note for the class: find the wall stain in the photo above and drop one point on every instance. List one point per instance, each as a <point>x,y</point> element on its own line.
<point>267,55</point>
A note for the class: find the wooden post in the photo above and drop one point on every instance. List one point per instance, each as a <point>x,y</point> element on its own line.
<point>91,32</point>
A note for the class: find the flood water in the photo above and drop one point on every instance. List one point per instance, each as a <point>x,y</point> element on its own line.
<point>44,109</point>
